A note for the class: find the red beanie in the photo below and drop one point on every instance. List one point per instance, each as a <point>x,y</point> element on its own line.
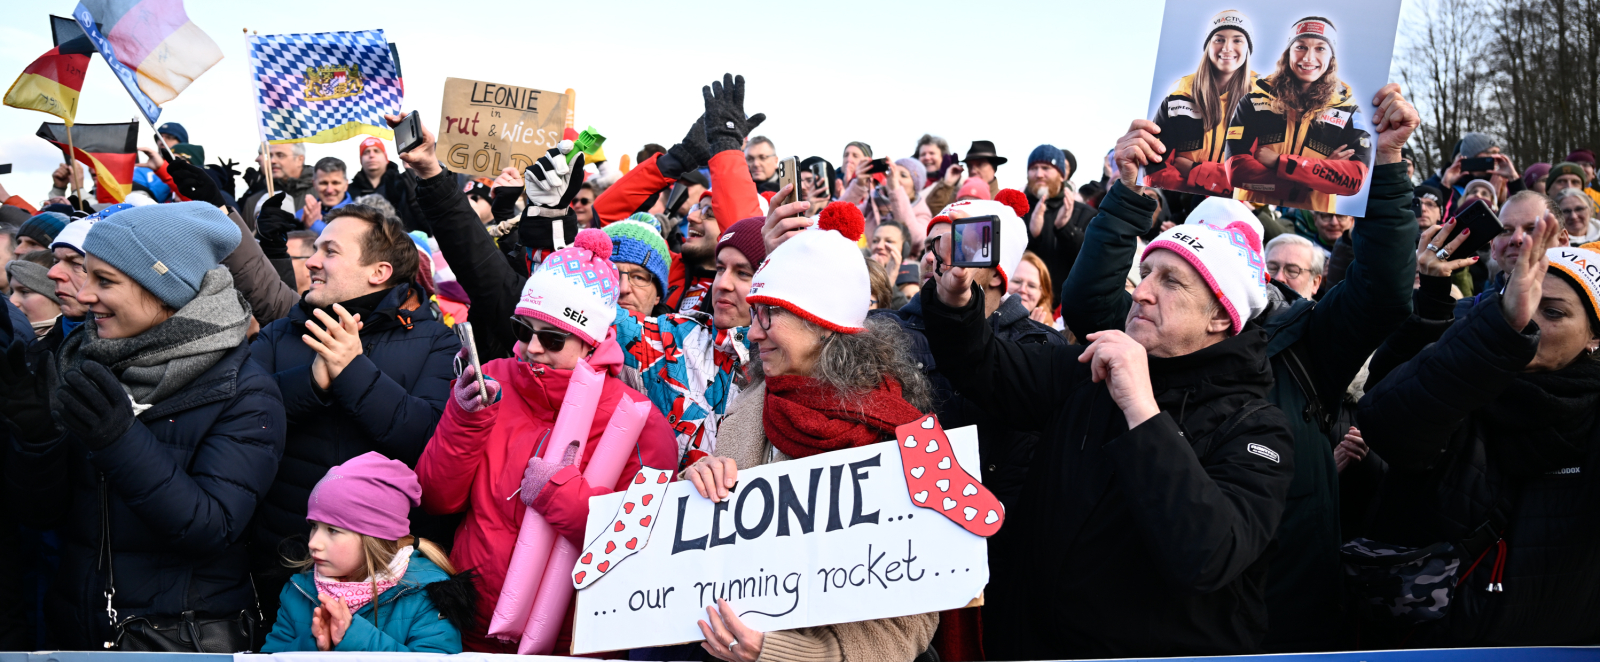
<point>745,237</point>
<point>372,141</point>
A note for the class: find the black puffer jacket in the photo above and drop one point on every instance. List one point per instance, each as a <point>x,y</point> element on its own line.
<point>1149,542</point>
<point>1006,451</point>
<point>391,187</point>
<point>180,486</point>
<point>1464,430</point>
<point>1058,246</point>
<point>387,400</point>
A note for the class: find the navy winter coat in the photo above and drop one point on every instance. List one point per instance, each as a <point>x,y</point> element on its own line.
<point>179,486</point>
<point>387,400</point>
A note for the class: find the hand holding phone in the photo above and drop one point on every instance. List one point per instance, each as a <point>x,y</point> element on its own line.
<point>975,242</point>
<point>408,133</point>
<point>1482,223</point>
<point>464,331</point>
<point>789,175</point>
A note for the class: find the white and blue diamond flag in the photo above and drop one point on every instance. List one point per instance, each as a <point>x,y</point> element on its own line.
<point>324,87</point>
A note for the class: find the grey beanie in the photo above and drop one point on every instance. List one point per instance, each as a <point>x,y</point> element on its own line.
<point>1474,143</point>
<point>35,277</point>
<point>167,248</point>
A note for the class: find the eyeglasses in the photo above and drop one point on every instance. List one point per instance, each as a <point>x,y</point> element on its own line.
<point>553,340</point>
<point>1290,270</point>
<point>639,278</point>
<point>763,314</point>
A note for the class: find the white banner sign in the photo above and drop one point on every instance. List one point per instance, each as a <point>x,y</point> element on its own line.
<point>833,538</point>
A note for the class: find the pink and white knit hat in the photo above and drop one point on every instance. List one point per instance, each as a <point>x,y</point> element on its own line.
<point>575,288</point>
<point>1222,240</point>
<point>819,274</point>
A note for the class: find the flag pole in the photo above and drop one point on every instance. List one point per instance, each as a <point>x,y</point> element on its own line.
<point>266,165</point>
<point>72,166</point>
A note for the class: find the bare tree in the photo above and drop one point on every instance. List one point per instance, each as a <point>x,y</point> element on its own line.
<point>1546,82</point>
<point>1445,70</point>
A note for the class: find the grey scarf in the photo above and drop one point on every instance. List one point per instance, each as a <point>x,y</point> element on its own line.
<point>154,365</point>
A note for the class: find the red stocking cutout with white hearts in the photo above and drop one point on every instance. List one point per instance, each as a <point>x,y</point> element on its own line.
<point>938,482</point>
<point>629,529</point>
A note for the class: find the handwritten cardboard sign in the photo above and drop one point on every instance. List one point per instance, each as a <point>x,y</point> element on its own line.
<point>833,538</point>
<point>485,127</point>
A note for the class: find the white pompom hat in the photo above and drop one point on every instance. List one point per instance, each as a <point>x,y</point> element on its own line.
<point>819,274</point>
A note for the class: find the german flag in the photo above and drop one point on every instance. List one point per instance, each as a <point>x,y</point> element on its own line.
<point>110,150</point>
<point>156,40</point>
<point>51,84</point>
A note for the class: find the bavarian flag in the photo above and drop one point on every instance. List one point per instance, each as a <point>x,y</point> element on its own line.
<point>324,87</point>
<point>51,84</point>
<point>110,150</point>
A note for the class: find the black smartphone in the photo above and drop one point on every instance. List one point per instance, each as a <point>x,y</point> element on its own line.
<point>820,179</point>
<point>877,166</point>
<point>1481,220</point>
<point>788,175</point>
<point>5,168</point>
<point>975,242</point>
<point>408,133</point>
<point>1479,164</point>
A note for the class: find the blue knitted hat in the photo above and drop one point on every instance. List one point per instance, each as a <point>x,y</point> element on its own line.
<point>167,249</point>
<point>43,227</point>
<point>1052,155</point>
<point>637,242</point>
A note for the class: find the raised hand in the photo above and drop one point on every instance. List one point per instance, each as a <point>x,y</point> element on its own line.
<point>1395,119</point>
<point>1526,283</point>
<point>1430,263</point>
<point>1137,148</point>
<point>421,158</point>
<point>725,122</point>
<point>552,183</point>
<point>1122,363</point>
<point>312,212</point>
<point>783,221</point>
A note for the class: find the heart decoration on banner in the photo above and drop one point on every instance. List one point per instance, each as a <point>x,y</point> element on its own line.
<point>938,482</point>
<point>629,530</point>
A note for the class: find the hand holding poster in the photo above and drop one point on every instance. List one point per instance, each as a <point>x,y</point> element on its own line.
<point>1269,108</point>
<point>485,127</point>
<point>832,538</point>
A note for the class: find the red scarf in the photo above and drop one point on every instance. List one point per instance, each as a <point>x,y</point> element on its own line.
<point>804,417</point>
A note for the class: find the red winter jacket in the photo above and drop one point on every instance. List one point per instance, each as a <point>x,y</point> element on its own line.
<point>735,198</point>
<point>475,462</point>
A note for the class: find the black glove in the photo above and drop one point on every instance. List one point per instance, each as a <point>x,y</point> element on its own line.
<point>228,174</point>
<point>25,395</point>
<point>194,183</point>
<point>254,181</point>
<point>92,405</point>
<point>505,202</point>
<point>691,154</point>
<point>273,225</point>
<point>725,121</point>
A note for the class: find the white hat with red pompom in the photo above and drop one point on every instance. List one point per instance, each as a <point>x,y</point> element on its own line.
<point>819,274</point>
<point>575,288</point>
<point>1010,205</point>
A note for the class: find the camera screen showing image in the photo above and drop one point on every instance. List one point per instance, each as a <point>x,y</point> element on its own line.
<point>975,242</point>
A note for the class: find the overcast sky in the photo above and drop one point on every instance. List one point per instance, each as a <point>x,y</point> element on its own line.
<point>1068,73</point>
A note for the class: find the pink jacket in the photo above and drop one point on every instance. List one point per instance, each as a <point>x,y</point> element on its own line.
<point>475,461</point>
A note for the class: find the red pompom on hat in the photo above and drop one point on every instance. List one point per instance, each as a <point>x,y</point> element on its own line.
<point>1015,200</point>
<point>597,241</point>
<point>843,218</point>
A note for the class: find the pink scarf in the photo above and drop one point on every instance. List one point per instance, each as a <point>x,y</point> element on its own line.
<point>357,594</point>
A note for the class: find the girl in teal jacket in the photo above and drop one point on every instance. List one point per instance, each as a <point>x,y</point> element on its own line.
<point>371,586</point>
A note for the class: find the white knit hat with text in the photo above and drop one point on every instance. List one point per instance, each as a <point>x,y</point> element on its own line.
<point>818,274</point>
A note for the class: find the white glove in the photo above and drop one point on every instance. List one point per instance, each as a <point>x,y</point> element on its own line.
<point>549,184</point>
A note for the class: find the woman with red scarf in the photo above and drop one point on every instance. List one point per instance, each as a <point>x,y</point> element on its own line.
<point>828,379</point>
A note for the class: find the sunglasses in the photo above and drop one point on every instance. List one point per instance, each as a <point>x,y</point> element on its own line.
<point>552,340</point>
<point>583,201</point>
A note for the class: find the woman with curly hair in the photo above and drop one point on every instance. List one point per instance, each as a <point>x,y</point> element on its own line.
<point>1296,140</point>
